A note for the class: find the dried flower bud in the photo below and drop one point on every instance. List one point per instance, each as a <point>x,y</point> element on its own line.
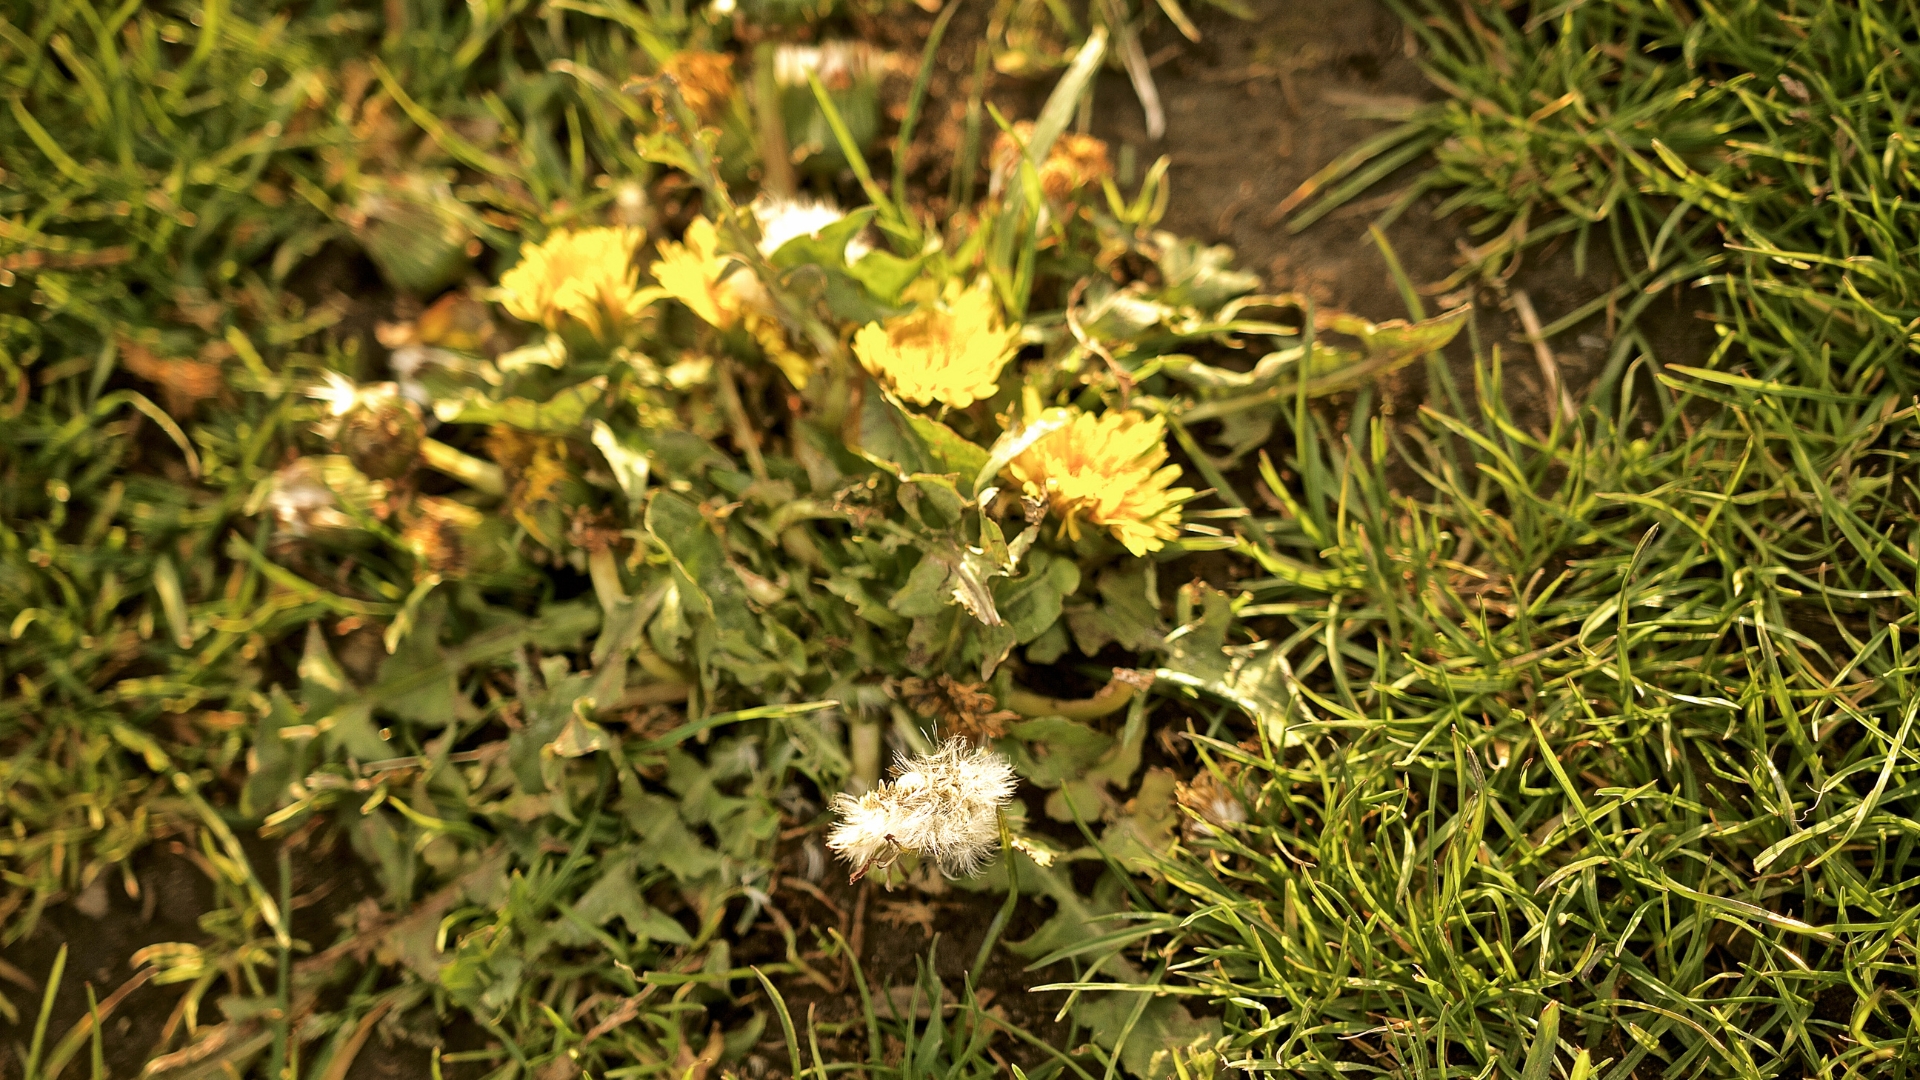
<point>307,494</point>
<point>382,433</point>
<point>705,80</point>
<point>1216,804</point>
<point>436,533</point>
<point>1073,162</point>
<point>963,709</point>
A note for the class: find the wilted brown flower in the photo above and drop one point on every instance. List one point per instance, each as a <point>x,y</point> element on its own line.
<point>183,383</point>
<point>456,321</point>
<point>963,709</point>
<point>435,534</point>
<point>1216,803</point>
<point>705,80</point>
<point>1073,162</point>
<point>534,466</point>
<point>593,530</point>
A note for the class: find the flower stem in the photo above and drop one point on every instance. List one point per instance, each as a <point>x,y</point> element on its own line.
<point>1111,698</point>
<point>482,476</point>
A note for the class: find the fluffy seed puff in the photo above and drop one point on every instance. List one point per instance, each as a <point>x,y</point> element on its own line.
<point>781,220</point>
<point>944,806</point>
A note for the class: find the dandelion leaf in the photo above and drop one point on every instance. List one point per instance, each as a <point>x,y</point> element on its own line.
<point>885,275</point>
<point>888,438</point>
<point>1200,275</point>
<point>1032,602</point>
<point>952,452</point>
<point>417,683</point>
<point>1051,750</point>
<point>562,414</point>
<point>666,840</point>
<point>1252,677</point>
<point>1163,1024</point>
<point>1125,615</point>
<point>614,895</point>
<point>826,248</point>
<point>270,767</point>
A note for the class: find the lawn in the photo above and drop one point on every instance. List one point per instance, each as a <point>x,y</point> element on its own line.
<point>597,539</point>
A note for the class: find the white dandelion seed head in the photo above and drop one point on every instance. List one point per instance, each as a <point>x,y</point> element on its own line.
<point>1227,810</point>
<point>944,806</point>
<point>301,500</point>
<point>782,220</point>
<point>338,392</point>
<point>837,64</point>
<point>864,835</point>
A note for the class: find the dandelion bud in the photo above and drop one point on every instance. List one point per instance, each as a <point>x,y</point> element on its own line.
<point>416,232</point>
<point>382,433</point>
<point>944,806</point>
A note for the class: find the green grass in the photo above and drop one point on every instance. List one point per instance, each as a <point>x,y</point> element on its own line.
<point>1584,752</point>
<point>1617,719</point>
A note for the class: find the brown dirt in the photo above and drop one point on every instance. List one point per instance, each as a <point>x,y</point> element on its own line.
<point>1255,107</point>
<point>174,893</point>
<point>894,932</point>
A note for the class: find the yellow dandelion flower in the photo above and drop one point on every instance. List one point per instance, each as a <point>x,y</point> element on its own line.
<point>586,275</point>
<point>1107,471</point>
<point>951,352</point>
<point>699,276</point>
<point>695,273</point>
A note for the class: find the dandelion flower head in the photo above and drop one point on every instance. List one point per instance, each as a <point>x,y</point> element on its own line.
<point>951,351</point>
<point>944,806</point>
<point>1108,472</point>
<point>725,294</point>
<point>587,275</point>
<point>696,274</point>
